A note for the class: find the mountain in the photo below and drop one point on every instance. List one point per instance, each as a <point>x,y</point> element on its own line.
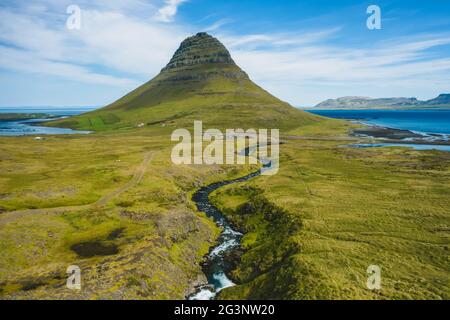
<point>442,100</point>
<point>200,82</point>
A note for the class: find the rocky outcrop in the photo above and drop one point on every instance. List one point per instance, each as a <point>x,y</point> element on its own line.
<point>200,79</point>
<point>201,57</point>
<point>199,49</point>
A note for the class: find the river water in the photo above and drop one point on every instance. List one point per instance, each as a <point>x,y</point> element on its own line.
<point>217,266</point>
<point>32,127</point>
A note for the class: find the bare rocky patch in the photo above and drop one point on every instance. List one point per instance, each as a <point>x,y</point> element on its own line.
<point>94,248</point>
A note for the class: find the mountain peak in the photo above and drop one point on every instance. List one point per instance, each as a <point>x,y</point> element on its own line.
<point>200,49</point>
<point>201,81</point>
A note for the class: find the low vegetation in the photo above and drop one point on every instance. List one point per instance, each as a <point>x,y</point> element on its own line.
<point>311,231</point>
<point>342,210</point>
<point>145,243</point>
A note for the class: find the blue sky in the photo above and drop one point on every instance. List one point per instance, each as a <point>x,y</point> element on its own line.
<point>301,51</point>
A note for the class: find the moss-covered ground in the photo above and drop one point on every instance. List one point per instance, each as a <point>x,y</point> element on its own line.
<point>311,231</point>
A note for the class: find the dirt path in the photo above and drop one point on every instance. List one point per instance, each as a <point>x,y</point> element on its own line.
<point>137,177</point>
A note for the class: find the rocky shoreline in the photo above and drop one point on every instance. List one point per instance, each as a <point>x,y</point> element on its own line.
<point>392,135</point>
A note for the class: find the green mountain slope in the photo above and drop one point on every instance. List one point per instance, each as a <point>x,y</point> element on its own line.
<point>201,82</point>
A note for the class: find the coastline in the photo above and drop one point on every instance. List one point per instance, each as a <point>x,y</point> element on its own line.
<point>384,108</point>
<point>34,126</point>
<point>400,136</point>
<point>419,126</point>
<point>11,117</point>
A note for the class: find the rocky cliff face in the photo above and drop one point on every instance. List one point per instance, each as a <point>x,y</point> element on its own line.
<point>202,56</point>
<point>200,82</point>
<point>199,49</point>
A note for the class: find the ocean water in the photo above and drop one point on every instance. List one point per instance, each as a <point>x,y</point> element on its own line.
<point>431,124</point>
<point>31,127</point>
<point>404,145</point>
<point>57,111</point>
<point>420,121</point>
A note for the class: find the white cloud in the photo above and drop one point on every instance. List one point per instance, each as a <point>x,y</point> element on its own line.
<point>304,70</point>
<point>120,45</point>
<point>277,40</point>
<point>126,44</point>
<point>217,25</point>
<point>110,48</point>
<point>23,61</point>
<point>168,12</point>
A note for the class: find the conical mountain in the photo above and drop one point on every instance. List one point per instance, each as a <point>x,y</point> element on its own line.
<point>201,82</point>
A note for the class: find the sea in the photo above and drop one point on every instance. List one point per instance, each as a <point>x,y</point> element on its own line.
<point>420,121</point>
<point>32,127</point>
<point>430,123</point>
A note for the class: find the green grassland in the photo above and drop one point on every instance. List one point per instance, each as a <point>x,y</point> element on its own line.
<point>312,230</point>
<point>53,191</point>
<point>219,101</point>
<point>157,238</point>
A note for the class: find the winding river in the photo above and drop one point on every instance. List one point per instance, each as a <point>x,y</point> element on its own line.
<point>217,266</point>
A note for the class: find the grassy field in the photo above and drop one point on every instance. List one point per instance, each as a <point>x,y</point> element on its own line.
<point>145,243</point>
<point>113,203</point>
<point>209,94</point>
<point>311,231</point>
<point>331,212</point>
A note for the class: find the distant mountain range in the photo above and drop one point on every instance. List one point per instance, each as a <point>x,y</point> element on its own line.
<point>442,101</point>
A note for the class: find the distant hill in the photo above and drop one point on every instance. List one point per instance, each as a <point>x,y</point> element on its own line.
<point>201,82</point>
<point>442,101</point>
